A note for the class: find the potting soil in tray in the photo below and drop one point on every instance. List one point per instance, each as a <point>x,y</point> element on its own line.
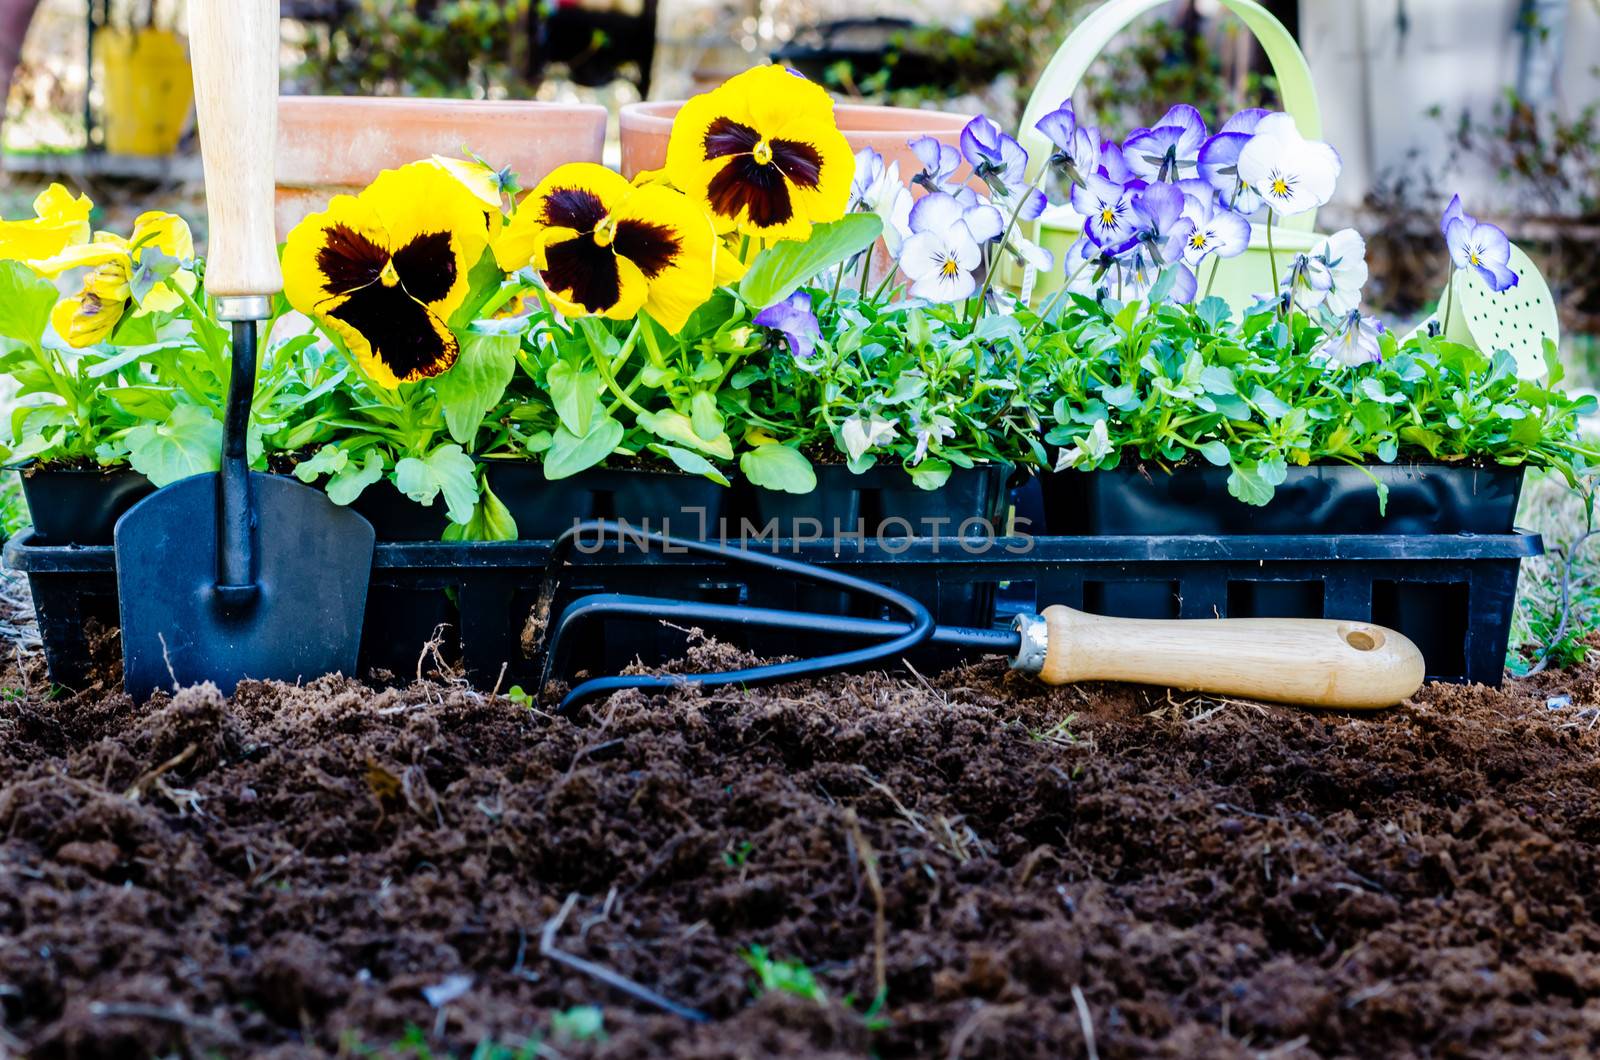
<point>296,871</point>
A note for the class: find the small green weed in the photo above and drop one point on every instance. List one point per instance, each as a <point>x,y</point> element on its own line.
<point>736,857</point>
<point>790,977</point>
<point>521,698</point>
<point>581,1023</point>
<point>793,977</point>
<point>1059,733</point>
<point>414,1045</point>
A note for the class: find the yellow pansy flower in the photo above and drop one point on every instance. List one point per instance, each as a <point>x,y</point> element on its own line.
<point>385,269</point>
<point>488,185</point>
<point>607,248</point>
<point>763,155</point>
<point>60,221</point>
<point>93,313</point>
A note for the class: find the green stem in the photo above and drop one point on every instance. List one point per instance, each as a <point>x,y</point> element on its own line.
<point>1055,299</point>
<point>1211,281</point>
<point>603,366</point>
<point>1272,256</point>
<point>1005,237</point>
<point>838,282</point>
<point>884,286</point>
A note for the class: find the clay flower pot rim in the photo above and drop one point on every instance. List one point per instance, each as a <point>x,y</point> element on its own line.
<point>854,118</point>
<point>422,104</point>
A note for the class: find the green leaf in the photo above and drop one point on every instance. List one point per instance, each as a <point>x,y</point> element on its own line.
<point>26,299</point>
<point>491,521</point>
<point>569,453</point>
<point>784,267</point>
<point>153,268</point>
<point>483,283</point>
<point>476,382</point>
<point>1163,285</point>
<point>575,395</point>
<point>674,426</point>
<point>1255,484</point>
<point>778,467</point>
<point>704,417</point>
<point>188,442</point>
<point>931,474</point>
<point>326,461</point>
<point>350,481</point>
<point>692,463</point>
<point>446,470</point>
<point>1214,312</point>
<point>1271,406</point>
<point>1216,452</point>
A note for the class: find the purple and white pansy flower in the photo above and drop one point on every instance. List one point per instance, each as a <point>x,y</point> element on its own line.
<point>1077,148</point>
<point>942,255</point>
<point>1137,272</point>
<point>1478,246</point>
<point>1161,228</point>
<point>1219,161</point>
<point>1114,163</point>
<point>1289,172</point>
<point>877,189</point>
<point>939,163</point>
<point>1107,208</point>
<point>1217,230</point>
<point>1001,163</point>
<point>1342,258</point>
<point>1171,149</point>
<point>1353,341</point>
<point>793,319</point>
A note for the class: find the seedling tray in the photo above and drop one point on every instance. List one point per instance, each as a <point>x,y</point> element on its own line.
<point>1453,594</point>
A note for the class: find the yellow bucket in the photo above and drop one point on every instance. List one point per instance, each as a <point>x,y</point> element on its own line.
<point>148,90</point>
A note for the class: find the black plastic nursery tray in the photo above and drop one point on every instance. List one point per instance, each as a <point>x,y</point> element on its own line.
<point>1453,594</point>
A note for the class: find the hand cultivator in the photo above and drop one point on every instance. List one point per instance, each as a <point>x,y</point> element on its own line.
<point>1314,662</point>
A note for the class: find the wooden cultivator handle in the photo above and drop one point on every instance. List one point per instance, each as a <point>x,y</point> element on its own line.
<point>234,49</point>
<point>1308,661</point>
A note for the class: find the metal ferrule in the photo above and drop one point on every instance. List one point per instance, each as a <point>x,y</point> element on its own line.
<point>244,307</point>
<point>1034,633</point>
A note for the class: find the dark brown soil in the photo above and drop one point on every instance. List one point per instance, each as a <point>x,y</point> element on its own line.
<point>292,872</point>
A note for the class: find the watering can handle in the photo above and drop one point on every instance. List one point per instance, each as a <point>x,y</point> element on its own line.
<point>234,50</point>
<point>1091,37</point>
<point>1311,661</point>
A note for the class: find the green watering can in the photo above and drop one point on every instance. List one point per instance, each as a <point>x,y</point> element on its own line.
<point>1517,320</point>
<point>1240,279</point>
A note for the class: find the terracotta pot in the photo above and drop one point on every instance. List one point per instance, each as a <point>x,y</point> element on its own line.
<point>328,145</point>
<point>646,127</point>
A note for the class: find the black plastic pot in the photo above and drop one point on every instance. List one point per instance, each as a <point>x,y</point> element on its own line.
<point>69,506</point>
<point>402,619</point>
<point>1321,499</point>
<point>1453,594</point>
<point>396,517</point>
<point>665,501</point>
<point>880,504</point>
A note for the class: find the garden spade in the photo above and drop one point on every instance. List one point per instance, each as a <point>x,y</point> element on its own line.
<point>235,574</point>
<point>1344,665</point>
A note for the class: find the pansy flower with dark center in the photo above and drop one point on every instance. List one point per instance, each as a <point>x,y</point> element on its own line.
<point>763,155</point>
<point>386,269</point>
<point>605,247</point>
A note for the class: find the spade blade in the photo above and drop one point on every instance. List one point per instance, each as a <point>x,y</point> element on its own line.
<point>313,559</point>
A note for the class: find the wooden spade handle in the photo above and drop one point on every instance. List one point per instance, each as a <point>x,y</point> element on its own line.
<point>1308,661</point>
<point>234,49</point>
